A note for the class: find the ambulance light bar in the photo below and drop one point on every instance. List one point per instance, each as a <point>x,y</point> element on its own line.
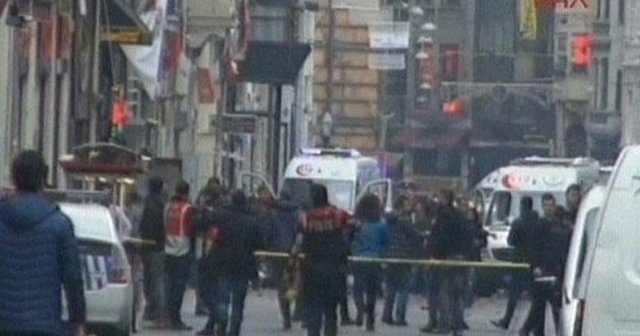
<point>536,160</point>
<point>347,153</point>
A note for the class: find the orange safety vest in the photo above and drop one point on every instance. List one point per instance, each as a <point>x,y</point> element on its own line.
<point>179,219</point>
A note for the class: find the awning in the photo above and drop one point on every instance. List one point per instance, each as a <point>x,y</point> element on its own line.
<point>120,24</point>
<point>273,62</point>
<point>103,159</point>
<point>425,138</point>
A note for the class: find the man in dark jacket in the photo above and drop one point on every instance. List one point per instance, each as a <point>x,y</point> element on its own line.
<point>548,253</point>
<point>152,230</point>
<point>286,220</point>
<point>451,239</point>
<point>404,243</point>
<point>38,256</point>
<point>233,263</point>
<point>520,239</point>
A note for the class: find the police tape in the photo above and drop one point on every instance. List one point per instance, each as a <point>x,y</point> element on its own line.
<point>382,261</point>
<point>415,262</point>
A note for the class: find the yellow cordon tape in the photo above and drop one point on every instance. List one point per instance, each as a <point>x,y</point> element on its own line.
<point>419,262</point>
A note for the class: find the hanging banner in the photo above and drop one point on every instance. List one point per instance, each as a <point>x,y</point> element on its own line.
<point>146,60</point>
<point>387,61</point>
<point>529,20</point>
<point>389,35</point>
<point>206,90</point>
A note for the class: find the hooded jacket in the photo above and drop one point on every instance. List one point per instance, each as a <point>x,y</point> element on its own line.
<point>286,221</point>
<point>38,257</point>
<point>152,222</point>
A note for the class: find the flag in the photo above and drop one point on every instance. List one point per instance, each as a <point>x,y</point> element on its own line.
<point>206,91</point>
<point>146,61</point>
<point>529,19</point>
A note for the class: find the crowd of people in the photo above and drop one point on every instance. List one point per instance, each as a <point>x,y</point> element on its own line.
<point>219,233</point>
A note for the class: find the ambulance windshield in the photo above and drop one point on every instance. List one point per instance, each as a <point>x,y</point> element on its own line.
<point>340,192</point>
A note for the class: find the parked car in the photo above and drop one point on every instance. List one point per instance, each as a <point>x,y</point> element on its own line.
<point>582,240</point>
<point>106,270</point>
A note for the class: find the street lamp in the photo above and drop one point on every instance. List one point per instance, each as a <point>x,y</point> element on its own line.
<point>416,11</point>
<point>422,55</point>
<point>429,26</point>
<point>327,129</point>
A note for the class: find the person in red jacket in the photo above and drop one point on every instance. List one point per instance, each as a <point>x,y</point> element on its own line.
<point>325,264</point>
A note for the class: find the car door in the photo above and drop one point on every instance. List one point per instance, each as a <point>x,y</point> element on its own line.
<point>383,188</point>
<point>250,183</point>
<point>613,289</point>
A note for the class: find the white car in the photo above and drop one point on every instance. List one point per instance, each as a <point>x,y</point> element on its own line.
<point>581,242</point>
<point>106,270</point>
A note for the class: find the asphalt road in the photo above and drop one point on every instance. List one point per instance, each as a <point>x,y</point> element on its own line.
<point>262,318</point>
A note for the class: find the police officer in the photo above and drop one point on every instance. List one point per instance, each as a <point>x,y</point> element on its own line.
<point>325,263</point>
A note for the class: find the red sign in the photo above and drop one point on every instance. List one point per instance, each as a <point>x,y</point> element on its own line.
<point>552,5</point>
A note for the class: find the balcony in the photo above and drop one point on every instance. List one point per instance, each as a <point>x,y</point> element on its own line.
<point>210,16</point>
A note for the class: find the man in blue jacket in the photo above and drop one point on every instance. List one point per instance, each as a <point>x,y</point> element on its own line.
<point>38,257</point>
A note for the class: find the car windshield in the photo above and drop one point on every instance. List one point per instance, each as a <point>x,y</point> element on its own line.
<point>89,222</point>
<point>340,192</point>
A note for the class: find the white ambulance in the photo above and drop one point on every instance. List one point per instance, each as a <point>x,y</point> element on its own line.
<point>347,175</point>
<point>533,177</point>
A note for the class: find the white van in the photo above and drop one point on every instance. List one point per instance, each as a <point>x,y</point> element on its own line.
<point>347,175</point>
<point>531,177</point>
<point>610,292</point>
<point>583,234</point>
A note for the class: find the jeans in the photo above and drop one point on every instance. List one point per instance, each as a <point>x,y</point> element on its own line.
<point>234,293</point>
<point>517,284</point>
<point>453,297</point>
<point>153,282</point>
<point>399,281</point>
<point>178,273</point>
<point>280,275</point>
<point>365,290</point>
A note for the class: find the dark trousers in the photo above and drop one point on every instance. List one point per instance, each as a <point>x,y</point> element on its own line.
<point>399,280</point>
<point>433,280</point>
<point>542,294</point>
<point>518,283</point>
<point>153,283</point>
<point>178,272</point>
<point>365,290</point>
<point>322,293</point>
<point>226,294</point>
<point>453,292</point>
<point>344,303</point>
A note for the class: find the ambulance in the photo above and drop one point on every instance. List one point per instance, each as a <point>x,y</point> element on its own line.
<point>346,173</point>
<point>533,177</point>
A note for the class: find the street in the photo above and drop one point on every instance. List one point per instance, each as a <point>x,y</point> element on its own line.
<point>262,318</point>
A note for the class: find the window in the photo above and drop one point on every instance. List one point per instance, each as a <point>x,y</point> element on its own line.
<point>562,43</point>
<point>619,91</point>
<point>621,12</point>
<point>607,9</point>
<point>450,62</point>
<point>500,208</point>
<point>590,223</point>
